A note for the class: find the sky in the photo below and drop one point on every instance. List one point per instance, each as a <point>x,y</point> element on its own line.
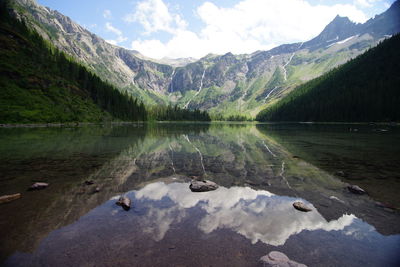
<point>195,28</point>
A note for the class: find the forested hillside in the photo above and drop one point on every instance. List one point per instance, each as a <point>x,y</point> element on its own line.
<point>38,83</point>
<point>227,86</point>
<point>175,113</point>
<point>366,88</point>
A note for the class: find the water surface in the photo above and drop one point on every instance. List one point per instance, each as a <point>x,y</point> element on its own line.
<point>261,169</point>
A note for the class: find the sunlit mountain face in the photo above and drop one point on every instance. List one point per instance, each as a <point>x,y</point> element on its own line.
<point>224,82</point>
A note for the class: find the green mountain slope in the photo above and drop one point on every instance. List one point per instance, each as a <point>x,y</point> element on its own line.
<point>365,89</point>
<point>224,85</point>
<point>38,83</point>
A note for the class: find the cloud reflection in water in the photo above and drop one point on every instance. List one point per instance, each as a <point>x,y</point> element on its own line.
<point>256,214</point>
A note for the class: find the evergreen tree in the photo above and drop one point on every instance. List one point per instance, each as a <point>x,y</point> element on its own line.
<point>366,88</point>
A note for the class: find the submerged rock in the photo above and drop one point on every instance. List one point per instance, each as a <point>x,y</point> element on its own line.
<point>38,186</point>
<point>278,259</point>
<point>202,186</point>
<point>337,199</point>
<point>124,202</point>
<point>301,207</point>
<point>97,189</point>
<point>385,206</point>
<point>340,173</point>
<point>251,183</point>
<point>356,189</point>
<point>9,198</point>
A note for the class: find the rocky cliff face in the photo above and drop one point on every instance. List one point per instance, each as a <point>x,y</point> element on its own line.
<point>243,83</point>
<point>234,84</point>
<point>127,69</point>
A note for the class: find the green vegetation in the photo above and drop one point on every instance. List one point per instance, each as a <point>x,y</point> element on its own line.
<point>366,88</point>
<point>41,84</point>
<point>175,113</point>
<point>220,117</point>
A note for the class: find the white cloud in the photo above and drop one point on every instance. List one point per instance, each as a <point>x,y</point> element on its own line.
<point>120,36</point>
<point>107,14</point>
<point>363,3</point>
<point>112,29</point>
<point>246,27</point>
<point>155,16</point>
<point>367,3</point>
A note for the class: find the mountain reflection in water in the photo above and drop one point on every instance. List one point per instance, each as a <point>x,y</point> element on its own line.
<point>249,215</point>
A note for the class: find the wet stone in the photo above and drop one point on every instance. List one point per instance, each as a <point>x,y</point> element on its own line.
<point>38,186</point>
<point>202,186</point>
<point>124,202</point>
<point>9,198</point>
<point>279,259</point>
<point>340,173</point>
<point>355,189</point>
<point>301,206</point>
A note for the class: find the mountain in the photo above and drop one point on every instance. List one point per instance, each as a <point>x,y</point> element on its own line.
<point>366,88</point>
<point>248,83</point>
<point>341,28</point>
<point>41,84</point>
<point>176,62</point>
<point>223,84</point>
<point>126,69</point>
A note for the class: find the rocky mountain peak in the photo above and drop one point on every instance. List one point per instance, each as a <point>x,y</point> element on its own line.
<point>214,81</point>
<point>387,23</point>
<point>338,29</point>
<point>339,19</point>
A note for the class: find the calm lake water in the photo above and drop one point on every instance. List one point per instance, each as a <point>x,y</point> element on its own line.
<point>261,169</point>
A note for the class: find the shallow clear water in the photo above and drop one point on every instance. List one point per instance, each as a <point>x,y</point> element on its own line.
<point>261,169</point>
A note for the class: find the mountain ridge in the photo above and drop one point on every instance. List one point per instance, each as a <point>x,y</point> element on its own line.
<point>227,83</point>
<point>362,90</point>
<point>41,84</point>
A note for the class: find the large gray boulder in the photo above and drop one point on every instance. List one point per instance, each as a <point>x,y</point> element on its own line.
<point>202,186</point>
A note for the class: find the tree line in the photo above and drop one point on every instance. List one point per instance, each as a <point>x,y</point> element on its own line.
<point>46,62</point>
<point>366,88</point>
<point>175,113</point>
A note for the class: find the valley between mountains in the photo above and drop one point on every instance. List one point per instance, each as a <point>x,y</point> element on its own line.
<point>225,85</point>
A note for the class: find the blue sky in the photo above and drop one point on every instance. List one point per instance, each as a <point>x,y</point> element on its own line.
<point>194,28</point>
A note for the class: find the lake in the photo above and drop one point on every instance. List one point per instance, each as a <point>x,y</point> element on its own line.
<point>261,169</point>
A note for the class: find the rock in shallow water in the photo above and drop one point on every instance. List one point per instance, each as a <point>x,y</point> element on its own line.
<point>202,186</point>
<point>278,259</point>
<point>356,189</point>
<point>340,173</point>
<point>38,186</point>
<point>301,207</point>
<point>124,202</point>
<point>9,198</point>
